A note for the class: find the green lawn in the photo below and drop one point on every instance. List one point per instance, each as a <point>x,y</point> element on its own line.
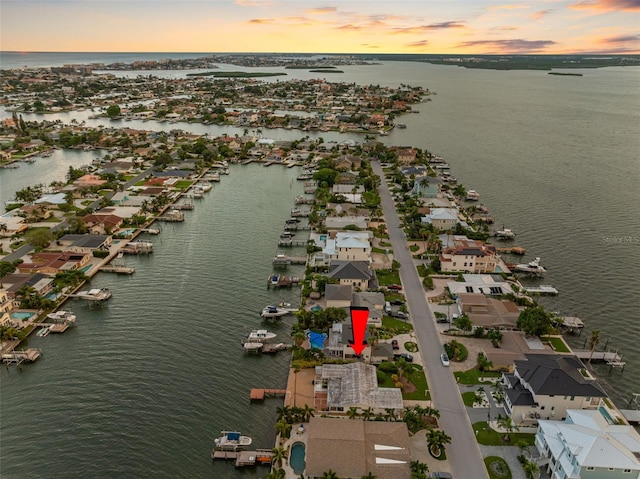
<point>396,326</point>
<point>419,380</point>
<point>386,277</point>
<point>469,398</point>
<point>488,437</point>
<point>557,343</point>
<point>472,376</point>
<point>497,468</point>
<point>183,184</point>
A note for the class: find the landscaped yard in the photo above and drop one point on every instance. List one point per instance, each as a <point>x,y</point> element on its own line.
<point>386,277</point>
<point>497,468</point>
<point>396,326</point>
<point>414,383</point>
<point>557,343</point>
<point>472,376</point>
<point>488,437</point>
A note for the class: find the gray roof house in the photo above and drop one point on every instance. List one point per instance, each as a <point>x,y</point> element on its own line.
<point>545,386</point>
<point>356,273</point>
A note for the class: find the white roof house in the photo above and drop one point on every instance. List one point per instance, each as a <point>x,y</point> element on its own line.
<point>588,444</point>
<point>442,218</point>
<point>349,246</point>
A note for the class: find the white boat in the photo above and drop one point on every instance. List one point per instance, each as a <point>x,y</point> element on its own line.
<point>472,195</point>
<point>212,176</point>
<point>505,233</point>
<point>44,331</point>
<point>232,440</point>
<point>249,346</point>
<point>204,185</point>
<point>532,267</point>
<point>62,316</point>
<point>273,312</point>
<point>260,335</point>
<point>96,294</point>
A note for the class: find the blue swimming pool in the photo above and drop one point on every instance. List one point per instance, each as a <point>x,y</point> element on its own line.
<point>296,457</point>
<point>21,315</point>
<point>127,232</point>
<point>323,237</point>
<point>316,340</point>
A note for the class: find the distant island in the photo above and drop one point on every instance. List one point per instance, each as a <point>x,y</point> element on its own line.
<point>308,67</point>
<point>565,74</point>
<point>326,70</point>
<point>236,74</point>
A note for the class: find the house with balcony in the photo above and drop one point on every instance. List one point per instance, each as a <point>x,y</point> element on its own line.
<point>469,256</point>
<point>12,283</point>
<point>355,273</point>
<point>52,263</point>
<point>588,444</point>
<point>545,386</point>
<point>349,246</point>
<point>85,243</point>
<point>442,219</point>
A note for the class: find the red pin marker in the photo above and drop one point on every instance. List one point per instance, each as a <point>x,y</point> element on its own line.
<point>359,319</point>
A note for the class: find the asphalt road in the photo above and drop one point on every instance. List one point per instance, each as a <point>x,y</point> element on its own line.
<point>463,453</point>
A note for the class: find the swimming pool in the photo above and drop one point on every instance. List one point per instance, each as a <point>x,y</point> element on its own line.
<point>21,315</point>
<point>323,237</point>
<point>316,340</point>
<point>296,457</point>
<point>127,232</point>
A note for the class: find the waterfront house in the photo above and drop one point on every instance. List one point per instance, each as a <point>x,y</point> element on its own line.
<point>355,448</point>
<point>89,181</point>
<point>102,223</point>
<point>487,284</point>
<point>87,243</point>
<point>350,246</point>
<point>372,300</point>
<point>588,444</point>
<point>515,345</point>
<point>488,312</point>
<point>338,387</point>
<point>545,386</point>
<point>442,219</point>
<point>52,263</point>
<point>405,155</point>
<point>13,224</point>
<point>469,256</point>
<point>341,222</point>
<point>35,213</point>
<point>42,284</point>
<point>5,307</point>
<point>338,295</point>
<point>356,273</point>
<point>426,186</point>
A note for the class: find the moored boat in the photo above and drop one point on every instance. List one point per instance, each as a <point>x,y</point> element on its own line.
<point>273,312</point>
<point>260,335</point>
<point>62,316</point>
<point>532,267</point>
<point>232,440</point>
<point>472,195</point>
<point>505,234</point>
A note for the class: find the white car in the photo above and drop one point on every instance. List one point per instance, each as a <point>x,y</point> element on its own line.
<point>445,359</point>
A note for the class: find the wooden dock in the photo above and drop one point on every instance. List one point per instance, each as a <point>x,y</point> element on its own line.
<point>544,289</point>
<point>268,348</point>
<point>244,458</point>
<point>17,357</point>
<point>117,269</point>
<point>258,394</point>
<point>284,260</point>
<point>284,242</point>
<point>600,356</point>
<point>512,250</point>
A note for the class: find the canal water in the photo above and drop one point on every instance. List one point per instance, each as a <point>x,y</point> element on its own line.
<point>140,387</point>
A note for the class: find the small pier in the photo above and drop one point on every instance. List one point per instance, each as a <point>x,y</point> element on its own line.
<point>258,394</point>
<point>289,242</point>
<point>512,250</point>
<point>52,327</point>
<point>151,231</point>
<point>17,357</point>
<point>544,289</point>
<point>284,260</point>
<point>600,356</point>
<point>172,216</point>
<point>282,281</point>
<point>183,206</point>
<point>137,247</point>
<point>244,458</point>
<point>296,227</point>
<point>301,200</point>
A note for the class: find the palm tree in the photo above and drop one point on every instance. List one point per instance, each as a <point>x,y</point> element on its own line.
<point>530,469</point>
<point>284,412</point>
<point>436,440</point>
<point>369,475</point>
<point>307,413</point>
<point>594,340</point>
<point>419,470</point>
<point>523,446</point>
<point>506,423</point>
<point>283,428</point>
<point>279,453</point>
<point>390,414</point>
<point>329,475</point>
<point>367,414</point>
<point>352,413</point>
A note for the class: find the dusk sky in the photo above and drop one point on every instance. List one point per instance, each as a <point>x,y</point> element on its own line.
<point>405,26</point>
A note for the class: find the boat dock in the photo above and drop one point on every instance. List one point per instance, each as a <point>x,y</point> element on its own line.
<point>244,458</point>
<point>172,216</point>
<point>283,260</point>
<point>120,269</point>
<point>286,242</point>
<point>600,356</point>
<point>544,289</point>
<point>183,206</point>
<point>258,394</point>
<point>282,281</point>
<point>137,247</point>
<point>17,357</point>
<point>52,327</point>
<point>632,416</point>
<point>512,250</point>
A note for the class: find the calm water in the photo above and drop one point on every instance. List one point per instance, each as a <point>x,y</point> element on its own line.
<point>141,387</point>
<point>160,370</point>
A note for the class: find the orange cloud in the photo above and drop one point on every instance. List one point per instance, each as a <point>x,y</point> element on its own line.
<point>621,39</point>
<point>541,13</point>
<point>607,5</point>
<point>419,44</point>
<point>433,26</point>
<point>289,21</point>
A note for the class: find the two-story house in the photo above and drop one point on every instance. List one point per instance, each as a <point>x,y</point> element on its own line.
<point>545,386</point>
<point>442,219</point>
<point>588,445</point>
<point>356,273</point>
<point>469,256</point>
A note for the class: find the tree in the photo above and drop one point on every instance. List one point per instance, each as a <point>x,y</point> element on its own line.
<point>530,469</point>
<point>367,414</point>
<point>535,321</point>
<point>352,412</point>
<point>325,176</point>
<point>463,322</point>
<point>594,340</point>
<point>419,470</point>
<point>436,440</point>
<point>113,111</point>
<point>39,237</point>
<point>329,475</point>
<point>369,475</point>
<point>283,428</point>
<point>279,453</point>
<point>495,335</point>
<point>506,423</point>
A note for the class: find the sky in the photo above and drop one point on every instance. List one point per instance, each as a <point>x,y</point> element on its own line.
<point>330,26</point>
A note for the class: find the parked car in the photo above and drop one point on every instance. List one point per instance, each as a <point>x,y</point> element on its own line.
<point>445,359</point>
<point>394,344</point>
<point>399,315</point>
<point>395,287</point>
<point>396,302</point>
<point>442,320</point>
<point>407,357</point>
<point>440,475</point>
